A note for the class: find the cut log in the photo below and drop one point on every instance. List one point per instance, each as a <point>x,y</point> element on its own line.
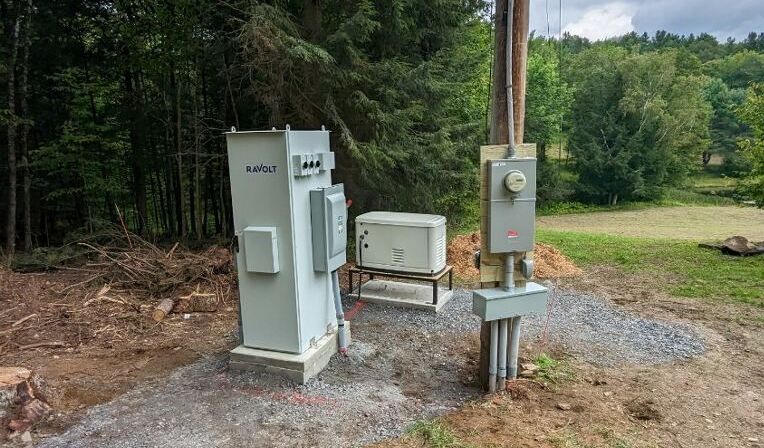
<point>163,309</point>
<point>19,390</point>
<point>197,302</point>
<point>33,408</point>
<point>10,378</point>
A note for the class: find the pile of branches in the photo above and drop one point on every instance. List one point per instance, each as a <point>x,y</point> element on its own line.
<point>133,264</point>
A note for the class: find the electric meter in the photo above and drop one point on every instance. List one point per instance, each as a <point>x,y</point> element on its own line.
<point>515,181</point>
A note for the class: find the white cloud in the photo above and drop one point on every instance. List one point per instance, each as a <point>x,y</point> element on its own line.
<point>601,22</point>
<point>599,19</point>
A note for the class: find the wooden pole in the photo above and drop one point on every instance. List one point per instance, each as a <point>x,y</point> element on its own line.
<point>499,129</point>
<point>519,64</point>
<point>499,134</point>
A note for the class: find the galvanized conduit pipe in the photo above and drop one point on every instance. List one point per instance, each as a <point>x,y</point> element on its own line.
<point>504,324</point>
<point>502,371</point>
<point>510,321</point>
<point>509,272</point>
<point>510,97</point>
<point>341,333</point>
<point>499,352</point>
<point>514,348</point>
<point>494,354</point>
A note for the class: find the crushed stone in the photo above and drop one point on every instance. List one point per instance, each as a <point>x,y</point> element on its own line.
<point>403,366</point>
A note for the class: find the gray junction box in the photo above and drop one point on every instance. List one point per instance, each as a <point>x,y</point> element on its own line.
<point>329,219</point>
<point>286,298</point>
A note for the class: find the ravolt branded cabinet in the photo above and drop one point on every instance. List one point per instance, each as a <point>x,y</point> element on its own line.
<point>286,298</point>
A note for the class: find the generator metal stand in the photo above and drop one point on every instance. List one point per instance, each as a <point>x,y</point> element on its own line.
<point>409,295</point>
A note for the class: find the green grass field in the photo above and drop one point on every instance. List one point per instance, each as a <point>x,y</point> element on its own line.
<point>681,267</point>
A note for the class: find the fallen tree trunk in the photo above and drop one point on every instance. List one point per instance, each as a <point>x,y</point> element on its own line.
<point>18,390</point>
<point>163,309</point>
<point>10,378</point>
<point>197,302</point>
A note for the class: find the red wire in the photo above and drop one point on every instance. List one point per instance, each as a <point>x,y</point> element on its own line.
<point>353,311</point>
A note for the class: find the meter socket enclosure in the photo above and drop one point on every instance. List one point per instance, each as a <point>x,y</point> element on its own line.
<point>512,208</point>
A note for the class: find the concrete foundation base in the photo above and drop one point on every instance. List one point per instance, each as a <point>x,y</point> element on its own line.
<point>297,367</point>
<point>408,295</point>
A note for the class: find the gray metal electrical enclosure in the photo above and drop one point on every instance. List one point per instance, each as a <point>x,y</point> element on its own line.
<point>394,241</point>
<point>329,218</point>
<point>511,224</point>
<point>286,305</point>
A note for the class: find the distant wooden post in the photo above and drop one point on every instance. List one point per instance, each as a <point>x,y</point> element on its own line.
<point>499,134</point>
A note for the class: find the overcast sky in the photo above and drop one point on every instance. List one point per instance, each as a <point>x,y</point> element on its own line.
<point>599,19</point>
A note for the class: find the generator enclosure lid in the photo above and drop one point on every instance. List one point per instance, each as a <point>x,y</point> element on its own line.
<point>402,219</point>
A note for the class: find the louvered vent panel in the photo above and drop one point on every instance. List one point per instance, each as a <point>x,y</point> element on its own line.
<point>398,256</point>
<point>440,251</point>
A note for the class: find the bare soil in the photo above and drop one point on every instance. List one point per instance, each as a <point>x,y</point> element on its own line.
<point>89,352</point>
<point>687,223</point>
<point>716,400</point>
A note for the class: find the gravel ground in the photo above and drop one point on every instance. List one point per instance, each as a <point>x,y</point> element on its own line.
<point>404,365</point>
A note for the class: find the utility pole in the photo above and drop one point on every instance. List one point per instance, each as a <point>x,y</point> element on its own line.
<point>520,63</point>
<point>499,134</point>
<point>499,129</point>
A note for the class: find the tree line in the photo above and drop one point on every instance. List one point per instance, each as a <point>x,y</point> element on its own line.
<point>114,111</point>
<point>639,114</point>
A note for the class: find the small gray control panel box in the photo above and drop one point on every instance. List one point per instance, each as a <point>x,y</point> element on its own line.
<point>512,204</point>
<point>329,222</point>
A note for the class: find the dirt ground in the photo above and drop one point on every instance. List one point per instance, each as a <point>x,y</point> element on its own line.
<point>88,353</point>
<point>716,400</point>
<point>690,223</point>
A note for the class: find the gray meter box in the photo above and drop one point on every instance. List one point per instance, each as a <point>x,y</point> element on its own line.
<point>286,305</point>
<point>511,224</point>
<point>329,218</point>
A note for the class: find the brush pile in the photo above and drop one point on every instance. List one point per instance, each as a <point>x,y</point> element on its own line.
<point>549,262</point>
<point>151,272</point>
<point>135,266</point>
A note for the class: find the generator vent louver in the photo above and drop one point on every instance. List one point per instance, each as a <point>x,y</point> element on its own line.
<point>398,256</point>
<point>440,251</point>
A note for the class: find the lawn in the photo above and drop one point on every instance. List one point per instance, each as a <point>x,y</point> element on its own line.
<point>695,223</point>
<point>710,181</point>
<point>680,267</point>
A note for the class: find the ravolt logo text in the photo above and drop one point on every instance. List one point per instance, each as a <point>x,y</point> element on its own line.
<point>260,169</point>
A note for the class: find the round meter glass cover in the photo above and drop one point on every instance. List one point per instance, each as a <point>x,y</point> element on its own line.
<point>515,181</point>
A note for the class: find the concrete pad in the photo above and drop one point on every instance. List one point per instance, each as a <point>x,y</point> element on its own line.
<point>409,295</point>
<point>297,367</point>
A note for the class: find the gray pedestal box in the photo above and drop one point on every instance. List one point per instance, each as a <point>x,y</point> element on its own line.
<point>286,303</point>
